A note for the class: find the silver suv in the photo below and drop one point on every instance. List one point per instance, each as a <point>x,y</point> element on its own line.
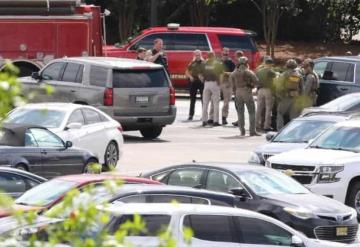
<point>138,94</point>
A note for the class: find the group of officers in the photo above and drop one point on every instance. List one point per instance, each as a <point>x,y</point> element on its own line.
<point>292,90</point>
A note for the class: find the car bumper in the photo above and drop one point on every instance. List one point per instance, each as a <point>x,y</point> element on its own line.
<point>138,122</point>
<point>324,229</point>
<point>332,190</point>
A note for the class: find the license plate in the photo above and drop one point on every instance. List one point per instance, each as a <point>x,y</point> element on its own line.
<point>341,231</point>
<point>142,99</point>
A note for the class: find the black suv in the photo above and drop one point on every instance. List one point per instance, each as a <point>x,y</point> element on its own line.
<point>338,76</point>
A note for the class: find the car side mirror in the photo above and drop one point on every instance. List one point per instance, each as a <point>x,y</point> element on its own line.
<point>73,126</point>
<point>36,75</point>
<point>68,144</point>
<point>296,242</point>
<point>240,192</point>
<point>270,135</point>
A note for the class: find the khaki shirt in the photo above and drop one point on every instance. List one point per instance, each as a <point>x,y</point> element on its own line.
<point>243,78</point>
<point>311,83</point>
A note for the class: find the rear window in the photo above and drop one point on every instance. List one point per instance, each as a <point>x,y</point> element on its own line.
<point>236,42</point>
<point>139,78</point>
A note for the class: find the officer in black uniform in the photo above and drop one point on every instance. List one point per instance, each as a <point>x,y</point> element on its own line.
<point>195,84</point>
<point>158,55</point>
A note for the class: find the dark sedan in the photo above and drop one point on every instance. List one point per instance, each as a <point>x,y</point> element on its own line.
<point>338,76</point>
<point>269,192</point>
<point>14,182</point>
<point>38,150</point>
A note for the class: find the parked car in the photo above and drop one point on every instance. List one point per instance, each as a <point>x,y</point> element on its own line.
<point>85,126</point>
<point>53,191</point>
<point>211,226</point>
<point>180,43</point>
<point>14,182</point>
<point>295,134</point>
<point>271,193</point>
<point>338,76</point>
<point>137,94</point>
<point>38,150</point>
<point>349,103</point>
<point>329,165</point>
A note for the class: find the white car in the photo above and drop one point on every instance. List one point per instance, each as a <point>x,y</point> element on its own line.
<point>85,126</point>
<point>329,165</point>
<point>211,226</point>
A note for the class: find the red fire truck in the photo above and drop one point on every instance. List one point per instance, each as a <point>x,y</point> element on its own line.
<point>37,31</point>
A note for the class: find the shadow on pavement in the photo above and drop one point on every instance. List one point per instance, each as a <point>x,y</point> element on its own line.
<point>138,139</point>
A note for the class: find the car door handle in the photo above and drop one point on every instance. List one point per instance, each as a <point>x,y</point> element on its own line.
<point>43,151</point>
<point>344,89</point>
<point>73,91</point>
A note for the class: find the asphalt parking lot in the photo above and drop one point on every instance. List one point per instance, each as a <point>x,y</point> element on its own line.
<point>185,141</point>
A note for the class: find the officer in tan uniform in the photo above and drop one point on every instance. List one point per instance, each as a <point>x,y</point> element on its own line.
<point>266,76</point>
<point>243,81</point>
<point>310,83</point>
<point>288,89</point>
<point>211,75</point>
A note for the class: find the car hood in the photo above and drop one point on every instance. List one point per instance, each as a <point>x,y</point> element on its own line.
<point>324,243</point>
<point>277,147</point>
<point>314,203</point>
<point>314,156</point>
<point>17,207</point>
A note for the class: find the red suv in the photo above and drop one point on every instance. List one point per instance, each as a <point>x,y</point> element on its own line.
<point>180,42</point>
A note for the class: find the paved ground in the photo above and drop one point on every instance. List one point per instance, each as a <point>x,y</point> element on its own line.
<point>185,141</point>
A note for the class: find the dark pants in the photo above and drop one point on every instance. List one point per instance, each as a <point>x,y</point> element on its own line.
<point>195,86</point>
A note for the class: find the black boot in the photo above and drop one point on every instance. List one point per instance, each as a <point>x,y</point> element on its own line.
<point>224,122</point>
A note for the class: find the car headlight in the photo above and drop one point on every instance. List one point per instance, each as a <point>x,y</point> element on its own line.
<point>327,174</point>
<point>301,213</point>
<point>353,213</point>
<point>254,158</point>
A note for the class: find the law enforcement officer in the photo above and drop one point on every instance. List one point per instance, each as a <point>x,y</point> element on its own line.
<point>310,83</point>
<point>238,55</point>
<point>243,81</point>
<point>225,85</point>
<point>158,56</point>
<point>288,91</point>
<point>211,76</point>
<point>195,84</point>
<point>266,76</point>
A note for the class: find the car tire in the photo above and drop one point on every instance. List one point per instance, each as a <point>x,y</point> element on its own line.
<point>151,132</point>
<point>111,155</point>
<point>21,167</point>
<point>88,163</point>
<point>353,198</point>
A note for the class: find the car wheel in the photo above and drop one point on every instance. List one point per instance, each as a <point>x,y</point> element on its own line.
<point>111,155</point>
<point>21,167</point>
<point>151,132</point>
<point>353,199</point>
<point>88,168</point>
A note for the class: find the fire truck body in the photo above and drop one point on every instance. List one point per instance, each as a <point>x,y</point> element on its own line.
<point>31,41</point>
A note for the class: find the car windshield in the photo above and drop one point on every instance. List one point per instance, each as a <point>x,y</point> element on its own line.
<point>342,103</point>
<point>42,117</point>
<point>46,193</point>
<point>301,131</point>
<point>265,182</point>
<point>339,138</point>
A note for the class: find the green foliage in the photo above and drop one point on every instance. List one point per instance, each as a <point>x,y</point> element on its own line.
<point>10,90</point>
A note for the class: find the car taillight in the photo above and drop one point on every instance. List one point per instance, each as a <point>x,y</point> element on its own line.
<point>120,128</point>
<point>255,60</point>
<point>172,96</point>
<point>108,97</point>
